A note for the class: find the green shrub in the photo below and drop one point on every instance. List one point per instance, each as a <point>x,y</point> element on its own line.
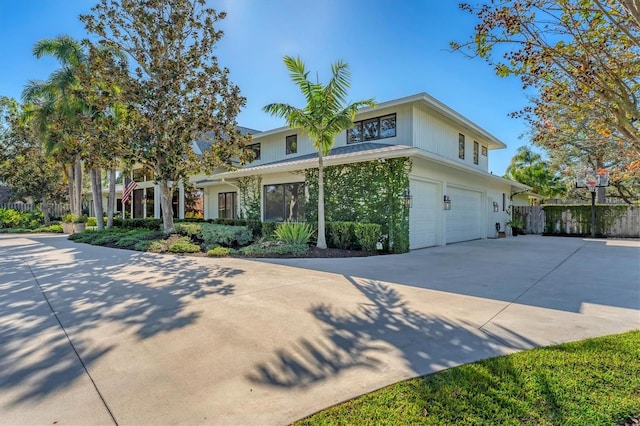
<point>69,218</point>
<point>225,235</point>
<point>272,248</point>
<point>157,246</point>
<point>127,241</point>
<point>10,218</point>
<point>56,227</point>
<point>143,245</point>
<point>368,235</point>
<point>342,234</point>
<point>268,228</point>
<point>106,239</point>
<point>189,229</point>
<point>92,221</point>
<point>294,233</point>
<point>149,223</point>
<point>184,245</point>
<point>219,252</point>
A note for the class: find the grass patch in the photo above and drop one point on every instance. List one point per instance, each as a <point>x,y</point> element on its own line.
<point>591,382</point>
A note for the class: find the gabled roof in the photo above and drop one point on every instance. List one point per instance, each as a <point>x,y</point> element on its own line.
<point>427,101</point>
<point>203,144</point>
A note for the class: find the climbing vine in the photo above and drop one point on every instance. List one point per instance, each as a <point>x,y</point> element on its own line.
<point>576,219</point>
<point>250,197</point>
<point>367,192</point>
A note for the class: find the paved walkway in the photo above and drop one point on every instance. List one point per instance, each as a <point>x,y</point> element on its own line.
<point>90,335</point>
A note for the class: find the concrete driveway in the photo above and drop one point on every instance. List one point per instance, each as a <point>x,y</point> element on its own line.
<point>91,335</point>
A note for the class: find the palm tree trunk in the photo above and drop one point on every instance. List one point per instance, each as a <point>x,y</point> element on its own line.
<point>78,179</point>
<point>166,196</point>
<point>111,201</point>
<point>322,242</point>
<point>96,187</point>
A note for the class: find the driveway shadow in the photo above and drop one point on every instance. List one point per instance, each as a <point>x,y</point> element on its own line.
<point>364,337</point>
<point>134,293</point>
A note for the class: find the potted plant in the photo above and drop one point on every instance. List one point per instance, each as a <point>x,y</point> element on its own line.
<point>517,227</point>
<point>80,224</point>
<point>67,223</point>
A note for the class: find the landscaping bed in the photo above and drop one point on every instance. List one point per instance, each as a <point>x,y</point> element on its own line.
<point>288,240</point>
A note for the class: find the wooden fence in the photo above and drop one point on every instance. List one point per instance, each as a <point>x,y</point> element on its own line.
<point>55,210</point>
<point>611,220</point>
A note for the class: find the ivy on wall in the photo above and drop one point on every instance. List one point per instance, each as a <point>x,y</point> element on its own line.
<point>250,197</point>
<point>576,219</point>
<point>367,192</point>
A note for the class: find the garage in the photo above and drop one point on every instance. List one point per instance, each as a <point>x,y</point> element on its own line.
<point>464,220</point>
<point>423,215</point>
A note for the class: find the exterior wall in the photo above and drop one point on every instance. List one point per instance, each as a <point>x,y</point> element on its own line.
<point>434,133</point>
<point>450,180</point>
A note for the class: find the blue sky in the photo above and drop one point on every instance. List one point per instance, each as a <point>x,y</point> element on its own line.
<point>395,48</point>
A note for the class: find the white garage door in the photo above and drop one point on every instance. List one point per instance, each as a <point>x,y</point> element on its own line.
<point>423,214</point>
<point>464,220</point>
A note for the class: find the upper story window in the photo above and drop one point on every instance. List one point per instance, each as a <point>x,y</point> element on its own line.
<point>372,129</point>
<point>461,146</point>
<point>476,152</point>
<point>484,150</point>
<point>292,144</point>
<point>255,147</point>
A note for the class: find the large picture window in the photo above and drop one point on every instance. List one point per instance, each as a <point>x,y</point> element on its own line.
<point>372,129</point>
<point>284,202</point>
<point>227,205</point>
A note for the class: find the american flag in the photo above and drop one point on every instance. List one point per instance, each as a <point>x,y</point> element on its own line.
<point>129,186</point>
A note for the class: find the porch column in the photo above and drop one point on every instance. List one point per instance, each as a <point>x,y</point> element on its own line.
<point>181,200</point>
<point>205,203</point>
<point>156,202</point>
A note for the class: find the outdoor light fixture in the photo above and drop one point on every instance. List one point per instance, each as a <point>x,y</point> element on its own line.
<point>447,202</point>
<point>495,206</point>
<point>592,180</point>
<point>407,198</point>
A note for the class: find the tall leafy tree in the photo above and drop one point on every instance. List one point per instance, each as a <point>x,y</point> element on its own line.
<point>579,56</point>
<point>530,168</point>
<point>25,165</point>
<point>324,116</point>
<point>178,91</point>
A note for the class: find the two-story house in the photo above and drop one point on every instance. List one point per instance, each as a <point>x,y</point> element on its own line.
<point>454,197</point>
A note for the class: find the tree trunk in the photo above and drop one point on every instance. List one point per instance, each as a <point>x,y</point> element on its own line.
<point>166,196</point>
<point>45,210</point>
<point>111,201</point>
<point>96,187</point>
<point>78,179</point>
<point>322,242</point>
<point>601,192</point>
<point>70,180</point>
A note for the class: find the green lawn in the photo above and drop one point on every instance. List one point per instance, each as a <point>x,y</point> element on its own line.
<point>591,382</point>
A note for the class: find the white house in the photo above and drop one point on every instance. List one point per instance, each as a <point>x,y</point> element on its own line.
<point>454,197</point>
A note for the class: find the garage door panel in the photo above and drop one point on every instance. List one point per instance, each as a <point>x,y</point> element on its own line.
<point>423,222</point>
<point>464,220</point>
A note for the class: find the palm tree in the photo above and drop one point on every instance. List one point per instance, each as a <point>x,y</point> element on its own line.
<point>56,106</point>
<point>322,118</point>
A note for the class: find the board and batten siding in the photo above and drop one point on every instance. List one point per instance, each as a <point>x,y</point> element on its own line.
<point>434,134</point>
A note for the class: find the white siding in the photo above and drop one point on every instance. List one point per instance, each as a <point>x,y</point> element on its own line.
<point>424,215</point>
<point>434,133</point>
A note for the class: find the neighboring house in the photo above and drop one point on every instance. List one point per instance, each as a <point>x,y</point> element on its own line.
<point>449,156</point>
